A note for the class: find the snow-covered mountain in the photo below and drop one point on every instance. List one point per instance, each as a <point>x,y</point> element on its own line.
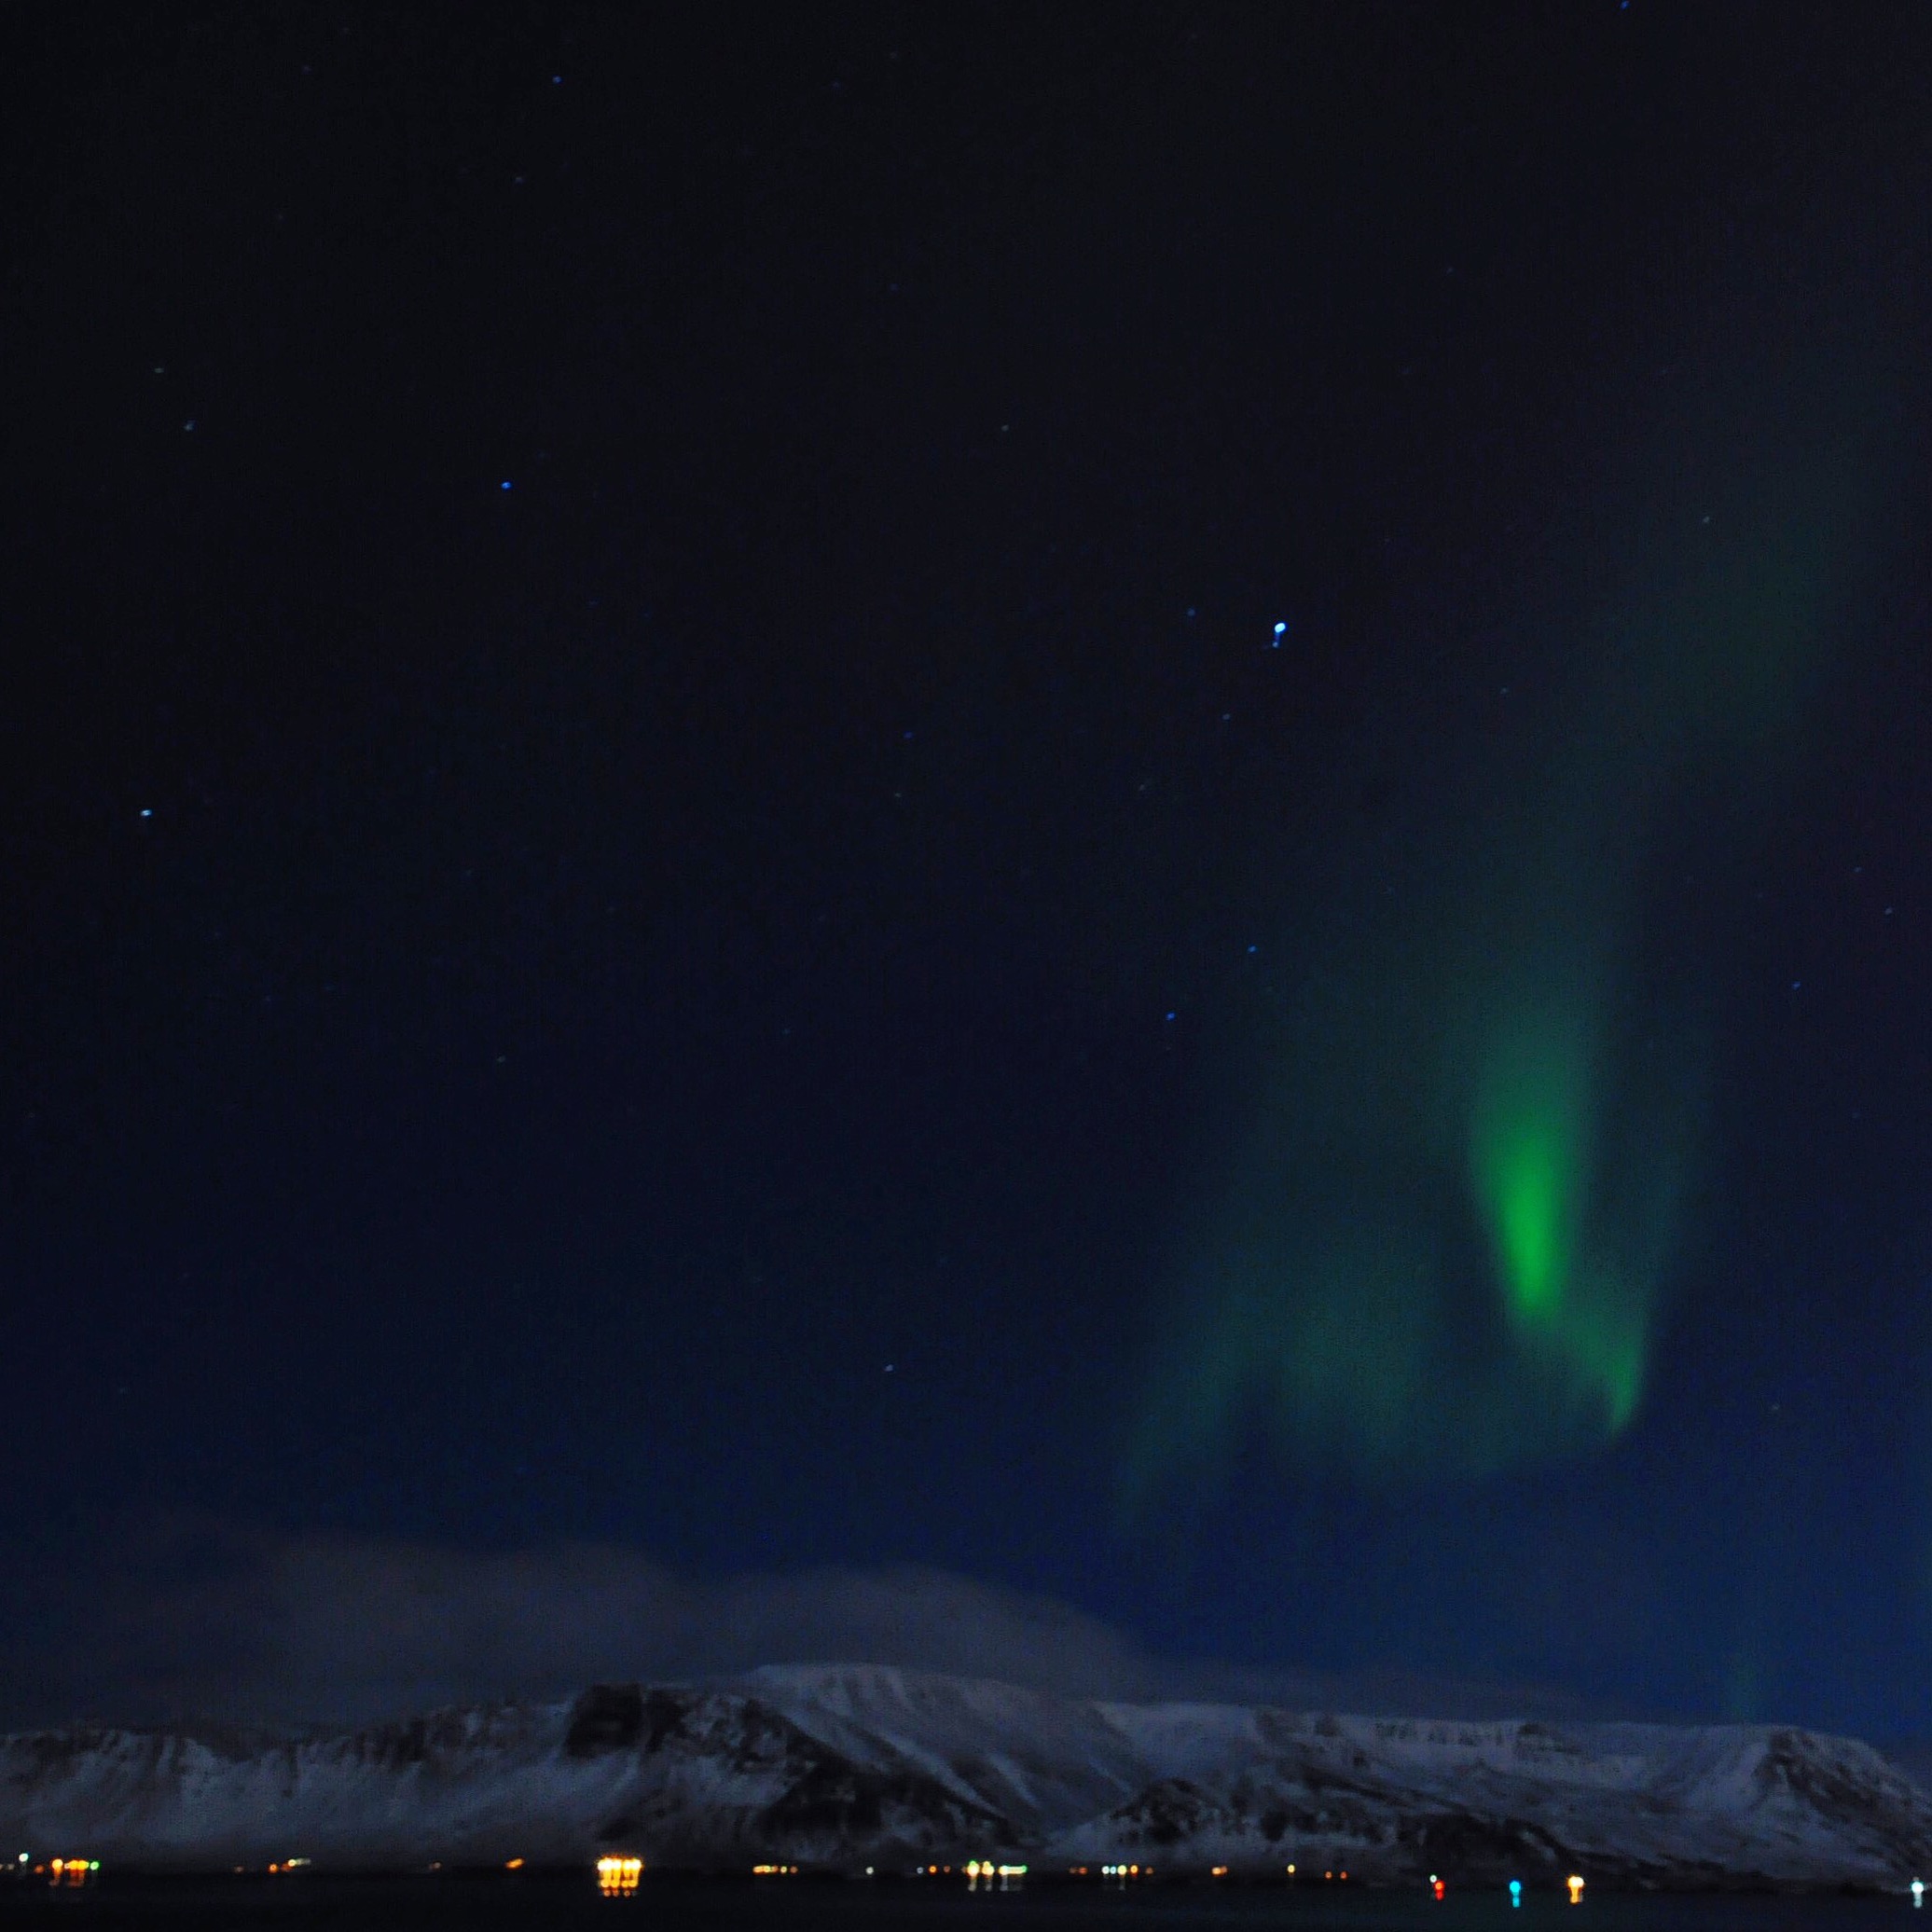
<point>851,1766</point>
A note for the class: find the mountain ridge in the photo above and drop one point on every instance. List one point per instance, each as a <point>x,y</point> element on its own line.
<point>847,1767</point>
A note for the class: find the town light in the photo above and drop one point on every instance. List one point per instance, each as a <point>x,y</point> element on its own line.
<point>618,1874</point>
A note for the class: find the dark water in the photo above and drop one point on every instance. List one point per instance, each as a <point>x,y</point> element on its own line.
<point>533,1902</point>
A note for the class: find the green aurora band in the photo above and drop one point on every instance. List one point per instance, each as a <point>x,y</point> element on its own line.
<point>1442,1241</point>
<point>1531,1162</point>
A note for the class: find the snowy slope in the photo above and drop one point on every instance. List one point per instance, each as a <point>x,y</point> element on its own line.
<point>1041,1763</point>
<point>855,1765</point>
<point>702,1778</point>
<point>1641,1804</point>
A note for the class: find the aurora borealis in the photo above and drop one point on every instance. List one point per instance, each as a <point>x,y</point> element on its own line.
<point>1454,1232</point>
<point>1570,1314</point>
<point>1053,844</point>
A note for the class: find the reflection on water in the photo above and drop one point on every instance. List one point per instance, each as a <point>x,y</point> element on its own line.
<point>529,1900</point>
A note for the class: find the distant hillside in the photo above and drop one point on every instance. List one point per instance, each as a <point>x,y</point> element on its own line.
<point>849,1767</point>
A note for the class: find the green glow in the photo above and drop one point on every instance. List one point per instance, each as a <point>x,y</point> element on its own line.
<point>1571,1313</point>
<point>1531,1211</point>
<point>1442,1236</point>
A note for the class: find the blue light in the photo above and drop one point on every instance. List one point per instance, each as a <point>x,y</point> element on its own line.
<point>1280,632</point>
<point>506,484</point>
<point>1516,1891</point>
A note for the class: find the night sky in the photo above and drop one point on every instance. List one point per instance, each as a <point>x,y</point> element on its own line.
<point>1090,842</point>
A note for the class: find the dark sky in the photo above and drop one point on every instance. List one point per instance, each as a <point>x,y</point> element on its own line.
<point>1118,812</point>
